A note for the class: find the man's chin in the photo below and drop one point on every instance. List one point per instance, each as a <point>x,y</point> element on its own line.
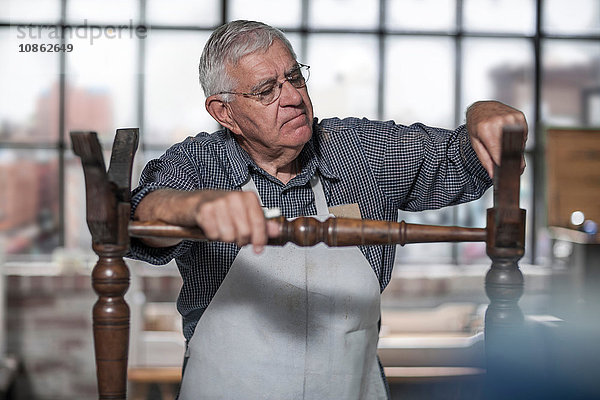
<point>299,127</point>
<point>303,131</point>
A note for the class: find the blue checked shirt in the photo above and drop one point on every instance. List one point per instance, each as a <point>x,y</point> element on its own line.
<point>381,166</point>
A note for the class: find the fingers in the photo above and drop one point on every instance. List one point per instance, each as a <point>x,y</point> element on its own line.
<point>257,233</point>
<point>523,162</point>
<point>234,217</point>
<point>273,229</point>
<point>485,121</point>
<point>484,156</point>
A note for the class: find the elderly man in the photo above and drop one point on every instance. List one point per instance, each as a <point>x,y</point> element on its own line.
<point>289,322</point>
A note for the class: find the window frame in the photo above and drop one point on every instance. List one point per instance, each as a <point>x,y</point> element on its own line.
<point>534,153</point>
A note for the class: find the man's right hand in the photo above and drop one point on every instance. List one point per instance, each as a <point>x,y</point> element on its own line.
<point>227,216</point>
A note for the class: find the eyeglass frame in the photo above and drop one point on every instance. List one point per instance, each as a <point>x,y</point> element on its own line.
<point>279,85</point>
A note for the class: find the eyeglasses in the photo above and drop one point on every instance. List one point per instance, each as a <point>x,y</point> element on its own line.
<point>270,91</point>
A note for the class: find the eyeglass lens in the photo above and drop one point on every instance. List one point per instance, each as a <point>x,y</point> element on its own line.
<point>297,79</point>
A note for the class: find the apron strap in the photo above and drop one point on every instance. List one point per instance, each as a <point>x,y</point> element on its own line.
<point>315,184</point>
<point>317,188</point>
<point>250,186</point>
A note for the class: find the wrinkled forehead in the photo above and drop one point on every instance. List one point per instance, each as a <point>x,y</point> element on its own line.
<point>239,52</point>
<point>264,63</point>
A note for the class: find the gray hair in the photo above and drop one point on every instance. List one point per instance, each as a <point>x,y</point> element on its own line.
<point>227,45</point>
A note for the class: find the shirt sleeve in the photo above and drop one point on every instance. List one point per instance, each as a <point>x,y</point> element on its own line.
<point>173,170</point>
<point>420,167</point>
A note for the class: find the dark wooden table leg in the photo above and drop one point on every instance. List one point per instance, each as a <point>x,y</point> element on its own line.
<point>107,215</point>
<point>504,281</point>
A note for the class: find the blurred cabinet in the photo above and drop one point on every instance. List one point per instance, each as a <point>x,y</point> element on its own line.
<point>573,185</point>
<point>573,174</point>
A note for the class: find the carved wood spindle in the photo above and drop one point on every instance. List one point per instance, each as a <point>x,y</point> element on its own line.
<point>110,280</point>
<point>504,281</point>
<point>506,235</point>
<point>107,215</point>
<point>337,232</point>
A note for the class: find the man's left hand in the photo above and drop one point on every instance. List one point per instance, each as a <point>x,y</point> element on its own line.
<point>485,120</point>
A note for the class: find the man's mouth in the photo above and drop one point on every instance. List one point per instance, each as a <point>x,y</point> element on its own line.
<point>296,120</point>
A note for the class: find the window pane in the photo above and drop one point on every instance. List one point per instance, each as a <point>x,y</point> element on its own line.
<point>77,233</point>
<point>512,16</point>
<point>174,100</point>
<point>183,12</point>
<point>426,253</point>
<point>101,84</point>
<point>351,14</point>
<point>570,82</point>
<point>421,15</point>
<point>29,201</point>
<point>29,82</point>
<point>500,69</point>
<point>474,215</point>
<point>31,11</point>
<point>102,12</point>
<point>419,81</point>
<point>343,80</point>
<point>282,14</point>
<point>568,17</point>
<point>298,46</point>
<point>591,107</point>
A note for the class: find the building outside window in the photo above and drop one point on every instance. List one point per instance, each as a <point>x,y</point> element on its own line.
<point>134,64</point>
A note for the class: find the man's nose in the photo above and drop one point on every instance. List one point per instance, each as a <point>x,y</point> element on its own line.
<point>289,94</point>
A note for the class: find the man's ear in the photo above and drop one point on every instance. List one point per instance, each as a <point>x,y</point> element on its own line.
<point>221,112</point>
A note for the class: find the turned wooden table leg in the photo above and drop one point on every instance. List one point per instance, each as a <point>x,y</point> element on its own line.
<point>107,215</point>
<point>504,281</point>
<point>110,280</point>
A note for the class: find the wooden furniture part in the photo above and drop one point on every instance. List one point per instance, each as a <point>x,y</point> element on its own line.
<point>573,174</point>
<point>108,211</point>
<point>573,177</point>
<point>504,282</point>
<point>107,214</point>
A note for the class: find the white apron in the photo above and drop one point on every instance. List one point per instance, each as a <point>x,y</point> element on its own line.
<point>290,323</point>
